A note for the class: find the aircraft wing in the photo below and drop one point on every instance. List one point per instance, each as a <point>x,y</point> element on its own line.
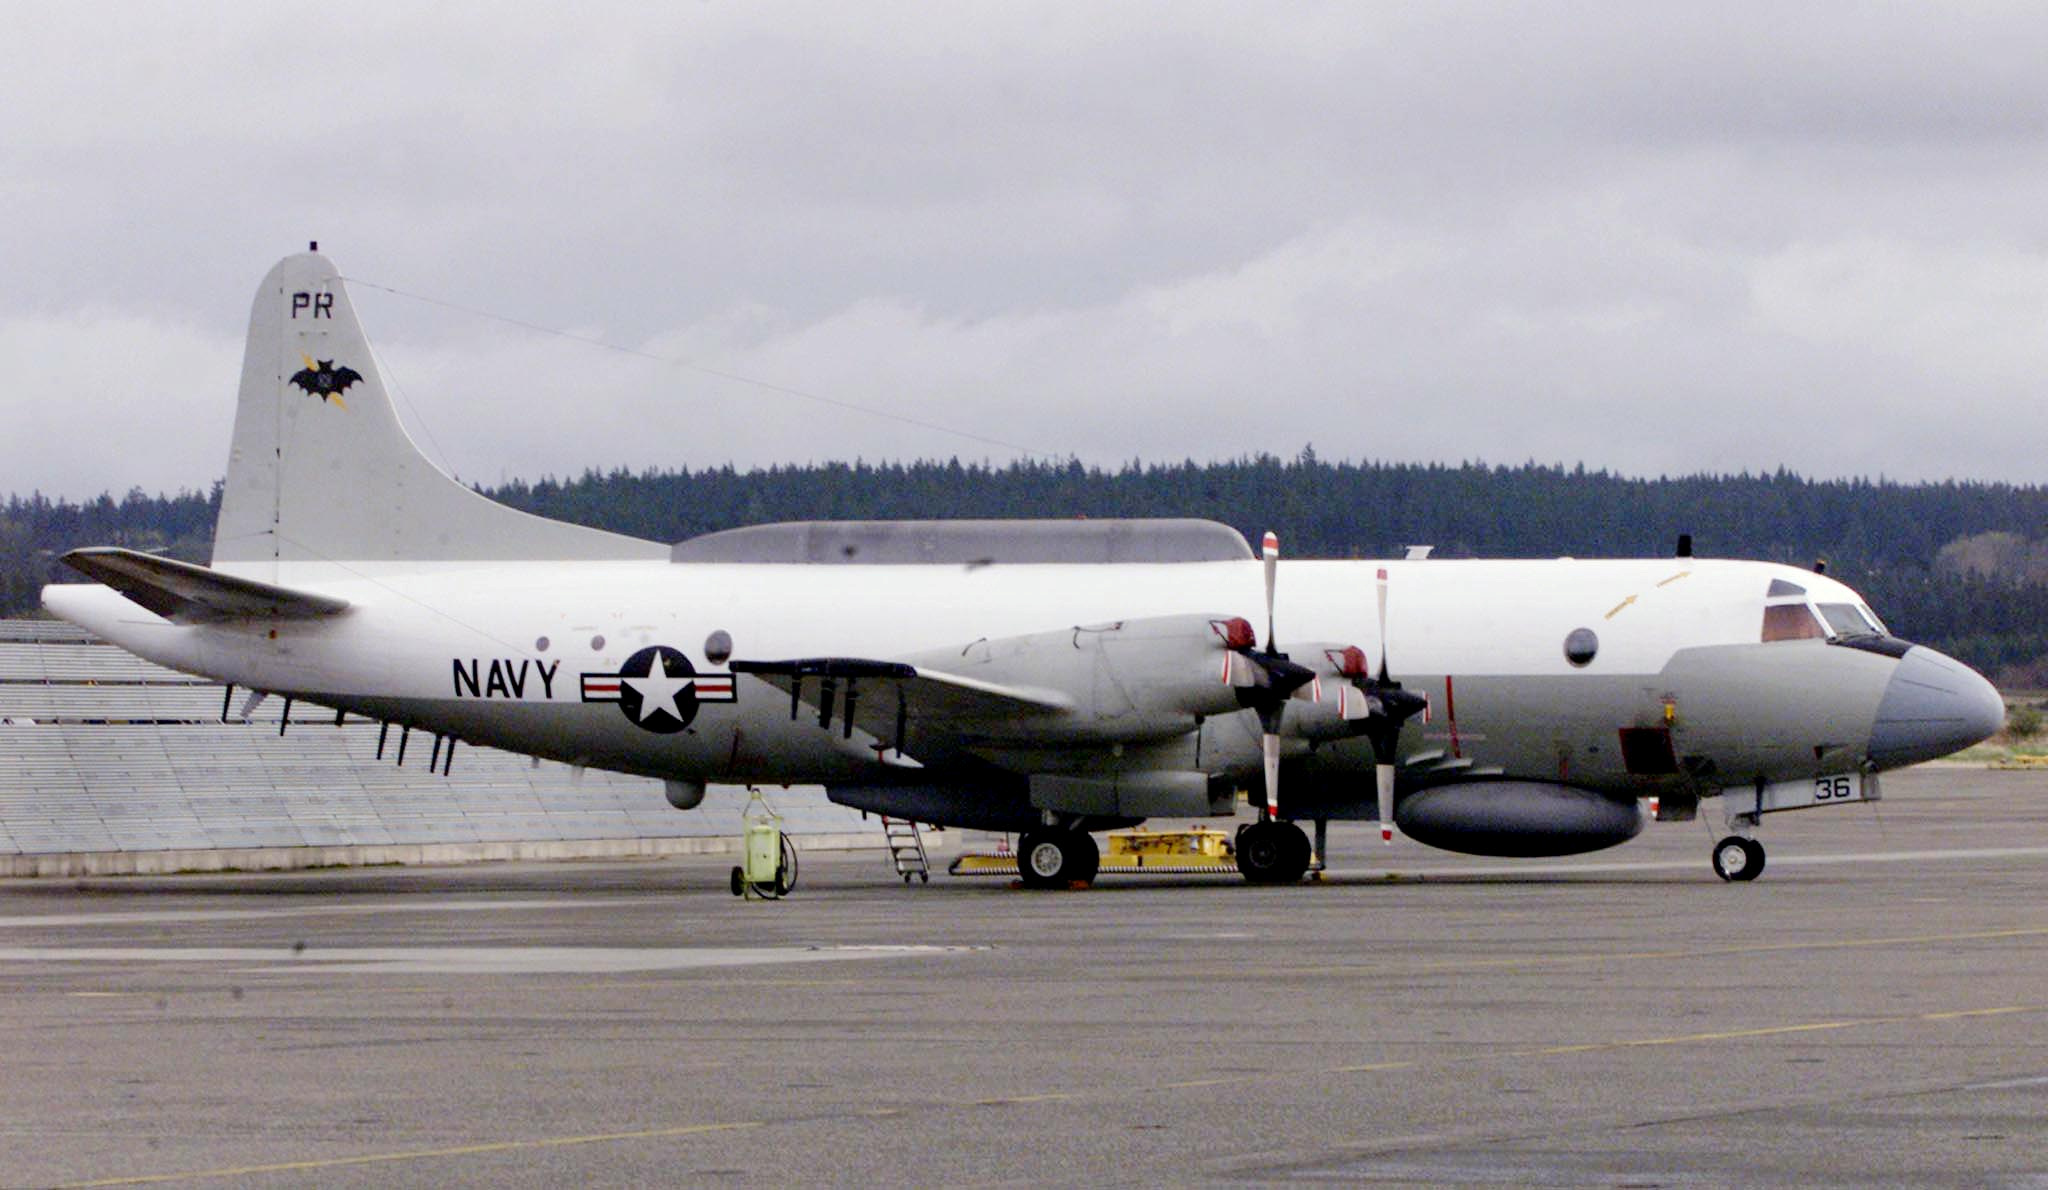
<point>887,698</point>
<point>186,593</point>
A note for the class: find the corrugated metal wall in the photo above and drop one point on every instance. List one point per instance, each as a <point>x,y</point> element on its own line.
<point>105,755</point>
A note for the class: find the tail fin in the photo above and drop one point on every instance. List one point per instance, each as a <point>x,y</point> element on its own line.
<point>322,471</point>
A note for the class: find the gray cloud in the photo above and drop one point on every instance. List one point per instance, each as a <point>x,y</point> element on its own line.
<point>1651,239</point>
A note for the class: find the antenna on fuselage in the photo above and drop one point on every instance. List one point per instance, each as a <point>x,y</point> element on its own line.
<point>1684,546</point>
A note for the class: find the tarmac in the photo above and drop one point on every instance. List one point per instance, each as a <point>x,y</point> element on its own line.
<point>1872,1010</point>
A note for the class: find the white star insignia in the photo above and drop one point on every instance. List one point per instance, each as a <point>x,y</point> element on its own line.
<point>657,692</point>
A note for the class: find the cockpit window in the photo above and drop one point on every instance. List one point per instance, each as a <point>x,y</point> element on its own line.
<point>1849,619</point>
<point>1791,621</point>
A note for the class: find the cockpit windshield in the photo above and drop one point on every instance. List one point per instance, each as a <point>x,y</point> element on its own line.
<point>1788,616</point>
<point>1850,619</point>
<point>1791,621</point>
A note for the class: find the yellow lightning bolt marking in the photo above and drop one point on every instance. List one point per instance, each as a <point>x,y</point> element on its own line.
<point>335,397</point>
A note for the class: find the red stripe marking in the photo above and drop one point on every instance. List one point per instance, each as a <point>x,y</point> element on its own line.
<point>1451,713</point>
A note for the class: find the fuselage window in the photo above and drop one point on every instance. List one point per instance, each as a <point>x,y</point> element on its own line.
<point>1791,621</point>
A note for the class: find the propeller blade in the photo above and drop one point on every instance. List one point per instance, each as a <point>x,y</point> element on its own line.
<point>1270,551</point>
<point>1383,623</point>
<point>1385,774</point>
<point>1270,744</point>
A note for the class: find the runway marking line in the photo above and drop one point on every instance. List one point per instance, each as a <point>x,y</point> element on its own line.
<point>1438,967</point>
<point>509,1146</point>
<point>503,1146</point>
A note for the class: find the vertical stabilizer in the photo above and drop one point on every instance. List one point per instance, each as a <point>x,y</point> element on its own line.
<point>322,471</point>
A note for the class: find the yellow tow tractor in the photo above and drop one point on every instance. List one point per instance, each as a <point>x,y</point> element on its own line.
<point>1197,849</point>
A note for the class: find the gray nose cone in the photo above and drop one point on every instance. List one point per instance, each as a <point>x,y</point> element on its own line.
<point>1934,705</point>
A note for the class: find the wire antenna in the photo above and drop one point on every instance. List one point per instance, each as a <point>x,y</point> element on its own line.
<point>719,373</point>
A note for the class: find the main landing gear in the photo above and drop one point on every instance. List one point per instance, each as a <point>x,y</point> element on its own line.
<point>1738,858</point>
<point>1051,857</point>
<point>1272,852</point>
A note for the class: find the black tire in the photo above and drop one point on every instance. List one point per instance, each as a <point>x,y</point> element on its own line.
<point>785,872</point>
<point>1272,853</point>
<point>1087,857</point>
<point>739,883</point>
<point>1737,858</point>
<point>1056,858</point>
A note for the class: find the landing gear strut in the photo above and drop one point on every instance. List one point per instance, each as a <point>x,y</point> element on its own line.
<point>1053,858</point>
<point>1737,858</point>
<point>1272,852</point>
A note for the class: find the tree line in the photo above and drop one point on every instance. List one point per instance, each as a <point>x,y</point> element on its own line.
<point>1905,546</point>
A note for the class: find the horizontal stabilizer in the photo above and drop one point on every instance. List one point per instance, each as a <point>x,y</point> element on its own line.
<point>186,593</point>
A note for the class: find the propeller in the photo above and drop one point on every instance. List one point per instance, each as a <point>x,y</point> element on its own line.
<point>1269,680</point>
<point>1391,707</point>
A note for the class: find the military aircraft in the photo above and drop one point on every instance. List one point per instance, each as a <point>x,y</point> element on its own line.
<point>1049,678</point>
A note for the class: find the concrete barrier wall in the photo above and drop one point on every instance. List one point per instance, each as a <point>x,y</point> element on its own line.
<point>110,764</point>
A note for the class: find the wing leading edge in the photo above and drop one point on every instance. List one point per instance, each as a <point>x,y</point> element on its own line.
<point>883,698</point>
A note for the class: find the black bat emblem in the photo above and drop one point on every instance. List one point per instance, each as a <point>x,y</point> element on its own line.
<point>324,380</point>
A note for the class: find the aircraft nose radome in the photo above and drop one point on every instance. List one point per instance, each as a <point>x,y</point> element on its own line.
<point>1933,705</point>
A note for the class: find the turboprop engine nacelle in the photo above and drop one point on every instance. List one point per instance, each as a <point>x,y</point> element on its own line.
<point>1517,818</point>
<point>1128,680</point>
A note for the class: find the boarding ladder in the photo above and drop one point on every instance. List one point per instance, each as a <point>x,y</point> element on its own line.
<point>906,849</point>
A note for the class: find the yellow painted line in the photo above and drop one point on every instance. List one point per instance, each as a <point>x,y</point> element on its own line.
<point>504,1146</point>
<point>1619,606</point>
<point>1674,578</point>
<point>1969,1013</point>
<point>1045,1097</point>
<point>1697,1038</point>
<point>1121,1090</point>
<point>1548,1051</point>
<point>1372,1067</point>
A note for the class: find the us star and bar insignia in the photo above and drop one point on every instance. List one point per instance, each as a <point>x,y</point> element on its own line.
<point>658,689</point>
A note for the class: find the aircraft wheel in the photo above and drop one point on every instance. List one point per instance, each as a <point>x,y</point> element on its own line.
<point>1056,858</point>
<point>785,871</point>
<point>1737,858</point>
<point>1272,853</point>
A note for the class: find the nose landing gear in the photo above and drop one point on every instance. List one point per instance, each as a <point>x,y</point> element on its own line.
<point>1738,858</point>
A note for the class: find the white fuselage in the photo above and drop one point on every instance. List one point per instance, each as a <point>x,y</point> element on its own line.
<point>496,653</point>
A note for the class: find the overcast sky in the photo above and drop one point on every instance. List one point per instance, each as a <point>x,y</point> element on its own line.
<point>1651,238</point>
